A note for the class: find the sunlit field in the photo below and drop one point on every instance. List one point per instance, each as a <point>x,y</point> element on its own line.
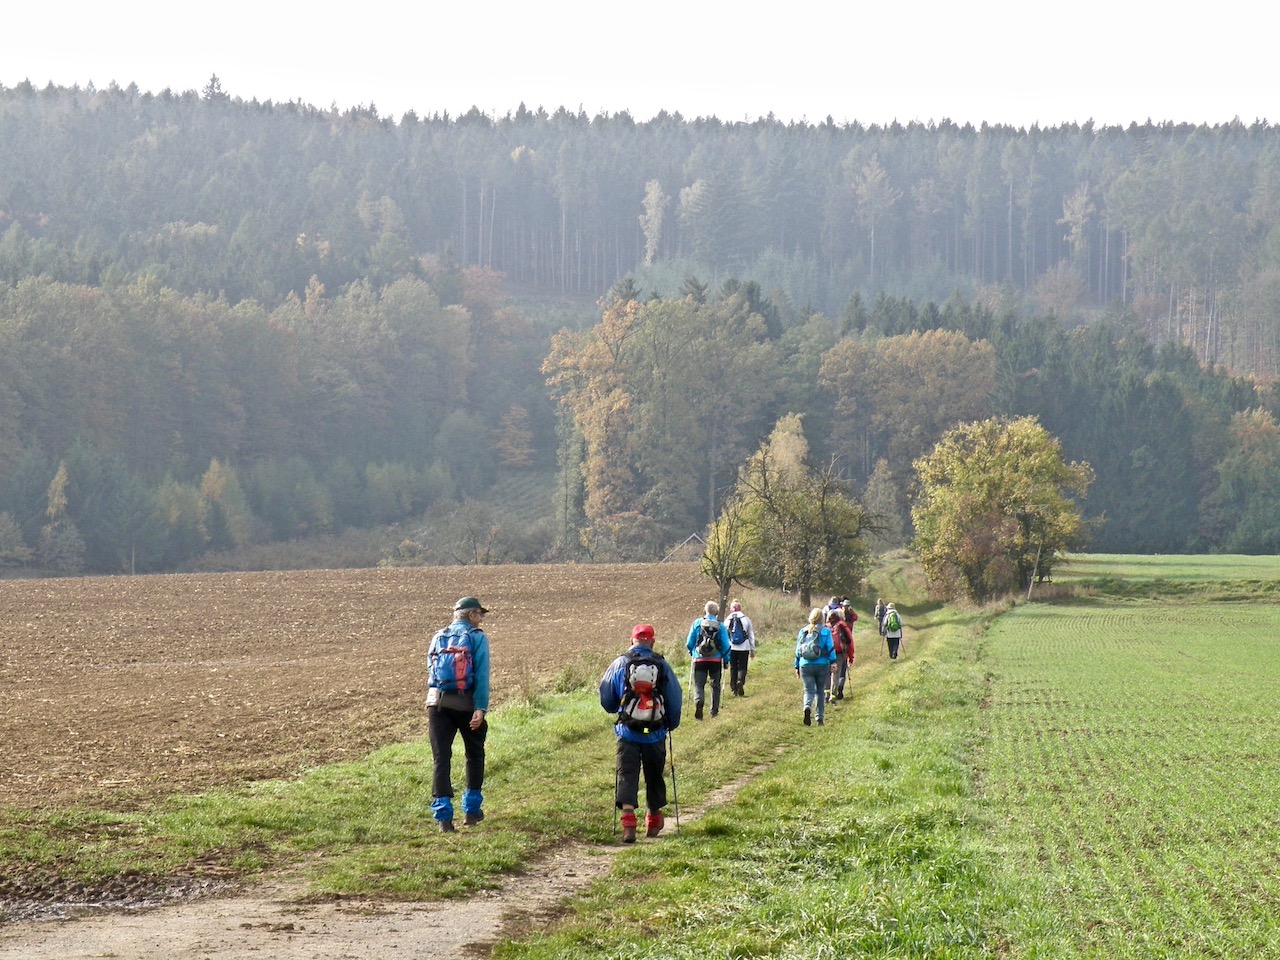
<point>1169,567</point>
<point>1132,759</point>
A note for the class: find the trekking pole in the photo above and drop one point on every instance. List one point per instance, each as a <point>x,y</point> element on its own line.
<point>675,791</point>
<point>615,798</point>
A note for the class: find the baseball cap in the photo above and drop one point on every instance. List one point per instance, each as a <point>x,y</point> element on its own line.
<point>642,631</point>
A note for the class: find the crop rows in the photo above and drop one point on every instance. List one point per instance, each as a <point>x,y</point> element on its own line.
<point>1132,752</point>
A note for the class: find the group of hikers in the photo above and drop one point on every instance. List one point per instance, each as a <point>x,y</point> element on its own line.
<point>640,690</point>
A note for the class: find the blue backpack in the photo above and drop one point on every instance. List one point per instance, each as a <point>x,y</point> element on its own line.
<point>737,632</point>
<point>450,666</point>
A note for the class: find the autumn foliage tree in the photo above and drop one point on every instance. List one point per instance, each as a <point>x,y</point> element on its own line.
<point>993,507</point>
<point>802,528</point>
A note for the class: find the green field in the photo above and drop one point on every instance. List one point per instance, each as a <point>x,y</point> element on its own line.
<point>1168,567</point>
<point>1130,758</point>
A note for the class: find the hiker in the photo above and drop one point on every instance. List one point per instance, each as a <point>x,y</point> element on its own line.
<point>878,613</point>
<point>842,641</point>
<point>644,693</point>
<point>892,630</point>
<point>457,701</point>
<point>815,652</point>
<point>708,646</point>
<point>835,603</point>
<point>742,647</point>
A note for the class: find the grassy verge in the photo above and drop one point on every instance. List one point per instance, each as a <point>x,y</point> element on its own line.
<point>863,840</point>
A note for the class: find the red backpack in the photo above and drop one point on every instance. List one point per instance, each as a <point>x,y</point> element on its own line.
<point>843,637</point>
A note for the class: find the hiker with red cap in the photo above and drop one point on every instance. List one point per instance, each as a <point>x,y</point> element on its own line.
<point>641,690</point>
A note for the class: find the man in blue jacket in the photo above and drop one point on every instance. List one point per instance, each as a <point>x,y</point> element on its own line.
<point>641,690</point>
<point>708,647</point>
<point>457,701</point>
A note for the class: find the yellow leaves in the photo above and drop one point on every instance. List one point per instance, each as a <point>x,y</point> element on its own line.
<point>993,496</point>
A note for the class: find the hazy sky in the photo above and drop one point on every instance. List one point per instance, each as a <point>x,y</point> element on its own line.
<point>998,61</point>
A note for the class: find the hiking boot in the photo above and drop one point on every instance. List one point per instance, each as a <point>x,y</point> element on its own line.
<point>473,818</point>
<point>629,828</point>
<point>808,717</point>
<point>446,826</point>
<point>715,713</point>
<point>697,710</point>
<point>653,824</point>
<point>820,721</point>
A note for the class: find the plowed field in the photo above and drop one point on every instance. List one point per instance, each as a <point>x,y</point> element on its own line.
<point>117,689</point>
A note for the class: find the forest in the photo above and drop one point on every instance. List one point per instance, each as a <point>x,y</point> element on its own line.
<point>224,322</point>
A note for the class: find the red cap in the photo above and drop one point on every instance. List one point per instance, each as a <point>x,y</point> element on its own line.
<point>642,631</point>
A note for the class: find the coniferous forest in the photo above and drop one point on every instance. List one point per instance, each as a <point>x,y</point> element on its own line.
<point>228,322</point>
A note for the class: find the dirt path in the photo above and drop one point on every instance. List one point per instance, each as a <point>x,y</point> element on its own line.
<point>269,922</point>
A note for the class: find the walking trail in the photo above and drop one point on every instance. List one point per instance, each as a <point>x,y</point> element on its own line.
<point>270,920</point>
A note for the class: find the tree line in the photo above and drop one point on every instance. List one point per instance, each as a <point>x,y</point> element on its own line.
<point>1173,224</point>
<point>140,427</point>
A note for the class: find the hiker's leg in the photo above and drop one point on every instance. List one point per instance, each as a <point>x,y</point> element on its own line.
<point>823,679</point>
<point>809,683</point>
<point>628,794</point>
<point>699,688</point>
<point>473,741</point>
<point>699,682</point>
<point>714,672</point>
<point>441,730</point>
<point>739,660</point>
<point>653,757</point>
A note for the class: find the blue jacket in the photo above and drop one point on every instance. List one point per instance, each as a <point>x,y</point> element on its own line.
<point>614,684</point>
<point>479,658</point>
<point>692,644</point>
<point>826,646</point>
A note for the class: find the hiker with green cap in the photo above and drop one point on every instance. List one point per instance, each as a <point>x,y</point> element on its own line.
<point>457,701</point>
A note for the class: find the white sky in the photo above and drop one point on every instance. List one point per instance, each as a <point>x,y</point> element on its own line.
<point>1000,61</point>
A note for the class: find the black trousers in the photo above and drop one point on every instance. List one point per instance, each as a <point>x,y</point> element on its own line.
<point>738,660</point>
<point>702,672</point>
<point>443,725</point>
<point>633,758</point>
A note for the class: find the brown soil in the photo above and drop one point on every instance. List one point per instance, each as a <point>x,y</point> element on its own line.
<point>120,689</point>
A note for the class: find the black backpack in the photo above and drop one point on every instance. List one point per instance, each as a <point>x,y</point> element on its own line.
<point>709,640</point>
<point>644,677</point>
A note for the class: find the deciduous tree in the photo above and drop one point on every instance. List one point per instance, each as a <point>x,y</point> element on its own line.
<point>805,531</point>
<point>993,507</point>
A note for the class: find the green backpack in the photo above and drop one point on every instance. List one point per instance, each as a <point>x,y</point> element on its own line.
<point>892,621</point>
